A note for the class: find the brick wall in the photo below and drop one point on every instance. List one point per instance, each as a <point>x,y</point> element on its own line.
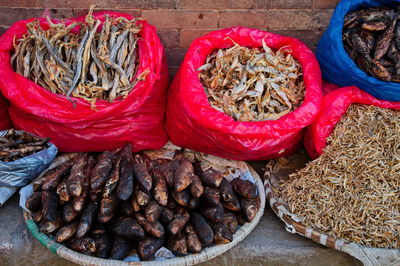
<point>179,22</point>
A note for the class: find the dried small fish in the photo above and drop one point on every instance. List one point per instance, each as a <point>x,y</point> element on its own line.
<point>352,191</point>
<point>77,60</point>
<point>251,84</point>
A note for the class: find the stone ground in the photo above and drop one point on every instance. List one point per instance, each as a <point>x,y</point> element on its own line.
<point>269,244</point>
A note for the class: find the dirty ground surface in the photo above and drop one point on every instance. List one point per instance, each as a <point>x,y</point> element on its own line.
<point>268,244</point>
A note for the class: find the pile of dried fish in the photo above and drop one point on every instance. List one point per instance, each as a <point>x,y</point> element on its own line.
<point>352,191</point>
<point>120,202</point>
<point>250,84</point>
<point>16,144</point>
<point>89,60</point>
<point>371,37</point>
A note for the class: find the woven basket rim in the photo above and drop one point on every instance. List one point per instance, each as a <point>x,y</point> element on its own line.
<point>191,259</point>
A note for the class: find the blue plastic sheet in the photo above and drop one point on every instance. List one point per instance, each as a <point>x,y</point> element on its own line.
<point>337,67</point>
<point>20,172</point>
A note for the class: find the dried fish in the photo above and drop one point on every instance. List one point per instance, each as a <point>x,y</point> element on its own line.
<point>78,59</point>
<point>251,84</point>
<point>352,190</point>
<point>371,36</point>
<point>17,144</point>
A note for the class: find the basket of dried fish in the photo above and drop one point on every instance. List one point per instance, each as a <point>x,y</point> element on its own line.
<point>361,47</point>
<point>164,207</point>
<point>90,83</point>
<point>23,156</point>
<point>5,122</point>
<point>347,198</point>
<point>244,94</point>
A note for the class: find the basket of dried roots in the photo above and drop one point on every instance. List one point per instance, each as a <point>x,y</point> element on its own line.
<point>244,94</point>
<point>102,74</point>
<point>348,198</point>
<point>164,207</point>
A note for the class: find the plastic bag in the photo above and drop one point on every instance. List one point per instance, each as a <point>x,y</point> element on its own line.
<point>4,118</point>
<point>138,119</point>
<point>337,66</point>
<point>193,123</point>
<point>22,171</point>
<point>334,106</point>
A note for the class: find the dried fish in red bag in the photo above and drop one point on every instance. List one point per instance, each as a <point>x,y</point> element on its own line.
<point>97,74</point>
<point>268,88</point>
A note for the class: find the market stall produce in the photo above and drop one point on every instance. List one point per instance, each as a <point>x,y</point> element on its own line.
<point>253,84</point>
<point>90,83</point>
<point>347,198</point>
<point>371,36</point>
<point>244,94</point>
<point>88,63</point>
<point>360,47</point>
<point>120,205</point>
<point>23,156</point>
<point>351,181</point>
<point>16,144</point>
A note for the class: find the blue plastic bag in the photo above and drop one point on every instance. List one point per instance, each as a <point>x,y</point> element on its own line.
<point>337,66</point>
<point>20,172</point>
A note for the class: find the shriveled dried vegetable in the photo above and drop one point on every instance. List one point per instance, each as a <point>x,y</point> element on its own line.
<point>371,37</point>
<point>89,60</point>
<point>251,84</point>
<point>352,191</point>
<point>120,202</point>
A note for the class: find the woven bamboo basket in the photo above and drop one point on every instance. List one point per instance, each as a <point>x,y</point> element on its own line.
<point>204,255</point>
<point>367,255</point>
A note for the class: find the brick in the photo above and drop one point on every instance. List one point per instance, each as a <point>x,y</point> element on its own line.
<point>172,70</point>
<point>283,4</point>
<point>9,15</point>
<point>19,3</point>
<point>188,36</point>
<point>169,37</point>
<point>137,4</point>
<point>76,12</point>
<point>213,4</point>
<point>297,19</point>
<point>325,3</point>
<point>178,19</point>
<point>251,19</point>
<point>3,29</point>
<point>66,3</point>
<point>175,56</point>
<point>309,37</point>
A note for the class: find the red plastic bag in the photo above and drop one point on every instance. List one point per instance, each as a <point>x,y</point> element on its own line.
<point>193,123</point>
<point>138,119</point>
<point>334,106</point>
<point>4,119</point>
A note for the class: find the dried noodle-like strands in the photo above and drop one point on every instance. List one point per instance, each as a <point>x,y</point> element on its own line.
<point>352,191</point>
<point>250,84</point>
